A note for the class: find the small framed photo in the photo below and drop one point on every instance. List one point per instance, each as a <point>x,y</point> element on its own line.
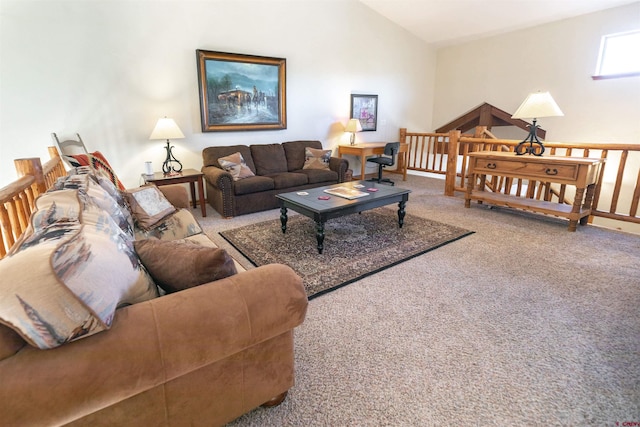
<point>241,92</point>
<point>365,109</point>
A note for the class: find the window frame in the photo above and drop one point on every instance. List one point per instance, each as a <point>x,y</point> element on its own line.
<point>603,44</point>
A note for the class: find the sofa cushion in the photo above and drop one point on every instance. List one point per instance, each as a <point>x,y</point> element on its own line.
<point>269,159</point>
<point>316,159</point>
<point>181,264</point>
<point>294,150</point>
<point>98,162</point>
<point>236,166</point>
<point>254,184</point>
<point>210,155</point>
<point>148,206</point>
<point>317,176</point>
<point>66,280</point>
<point>288,180</point>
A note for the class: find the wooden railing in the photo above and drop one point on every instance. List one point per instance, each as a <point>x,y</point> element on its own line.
<point>617,196</point>
<point>18,198</point>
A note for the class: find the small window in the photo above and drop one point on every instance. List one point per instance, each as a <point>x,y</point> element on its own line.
<point>619,55</point>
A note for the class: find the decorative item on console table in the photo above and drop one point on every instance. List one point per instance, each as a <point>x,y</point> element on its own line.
<point>536,105</point>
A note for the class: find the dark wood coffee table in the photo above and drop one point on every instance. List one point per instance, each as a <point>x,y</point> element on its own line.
<point>321,210</point>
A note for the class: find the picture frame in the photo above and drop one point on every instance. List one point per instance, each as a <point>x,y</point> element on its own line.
<point>365,109</point>
<point>241,92</point>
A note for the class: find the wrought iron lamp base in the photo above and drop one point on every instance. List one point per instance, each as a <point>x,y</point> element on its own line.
<point>167,166</point>
<point>531,144</point>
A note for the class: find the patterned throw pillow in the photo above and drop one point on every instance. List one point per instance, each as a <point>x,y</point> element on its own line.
<point>98,162</point>
<point>316,159</point>
<point>236,166</point>
<point>148,205</point>
<point>66,280</point>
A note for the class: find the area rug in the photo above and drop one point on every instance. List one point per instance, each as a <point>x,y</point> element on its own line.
<point>355,246</point>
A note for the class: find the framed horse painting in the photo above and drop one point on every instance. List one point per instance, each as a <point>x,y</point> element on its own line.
<point>241,92</point>
<point>365,109</point>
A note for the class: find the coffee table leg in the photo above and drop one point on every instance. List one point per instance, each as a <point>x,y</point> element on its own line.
<point>283,219</point>
<point>320,236</point>
<point>401,213</point>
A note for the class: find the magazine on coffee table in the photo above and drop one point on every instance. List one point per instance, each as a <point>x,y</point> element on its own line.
<point>346,192</point>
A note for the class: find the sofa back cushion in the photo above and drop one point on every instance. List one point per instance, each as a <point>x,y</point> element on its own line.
<point>210,155</point>
<point>295,152</point>
<point>269,159</point>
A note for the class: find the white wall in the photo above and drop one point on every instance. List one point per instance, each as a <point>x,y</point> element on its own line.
<point>560,58</point>
<point>109,70</point>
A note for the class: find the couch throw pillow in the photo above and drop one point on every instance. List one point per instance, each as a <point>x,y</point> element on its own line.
<point>316,159</point>
<point>98,162</point>
<point>236,166</point>
<point>68,278</point>
<point>148,205</point>
<point>178,225</point>
<point>175,266</point>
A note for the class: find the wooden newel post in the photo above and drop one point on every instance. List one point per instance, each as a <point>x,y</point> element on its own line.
<point>32,166</point>
<point>452,163</point>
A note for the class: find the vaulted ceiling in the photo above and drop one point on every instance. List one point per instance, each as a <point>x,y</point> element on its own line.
<point>445,22</point>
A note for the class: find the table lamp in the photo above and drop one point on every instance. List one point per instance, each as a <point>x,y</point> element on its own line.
<point>353,126</point>
<point>536,105</point>
<point>168,129</point>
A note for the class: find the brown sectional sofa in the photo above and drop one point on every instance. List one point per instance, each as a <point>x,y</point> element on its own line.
<point>201,356</point>
<point>278,168</point>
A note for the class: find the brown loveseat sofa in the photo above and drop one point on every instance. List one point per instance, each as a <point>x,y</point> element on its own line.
<point>278,168</point>
<point>201,356</point>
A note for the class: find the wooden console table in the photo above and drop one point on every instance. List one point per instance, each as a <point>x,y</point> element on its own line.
<point>581,172</point>
<point>374,148</point>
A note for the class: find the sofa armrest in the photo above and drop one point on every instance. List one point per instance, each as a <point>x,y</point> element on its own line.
<point>220,191</point>
<point>340,166</point>
<point>221,318</point>
<point>149,344</point>
<point>217,177</point>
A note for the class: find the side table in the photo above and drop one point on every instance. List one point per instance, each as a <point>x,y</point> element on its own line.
<point>190,176</point>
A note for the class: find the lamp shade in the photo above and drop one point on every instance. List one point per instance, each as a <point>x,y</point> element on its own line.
<point>166,129</point>
<point>536,105</point>
<point>353,126</point>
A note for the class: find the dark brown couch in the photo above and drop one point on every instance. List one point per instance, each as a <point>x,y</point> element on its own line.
<point>278,169</point>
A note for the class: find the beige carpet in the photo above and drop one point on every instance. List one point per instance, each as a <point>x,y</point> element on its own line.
<point>522,323</point>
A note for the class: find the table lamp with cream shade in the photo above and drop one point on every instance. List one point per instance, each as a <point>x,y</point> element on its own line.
<point>353,126</point>
<point>536,105</point>
<point>167,128</point>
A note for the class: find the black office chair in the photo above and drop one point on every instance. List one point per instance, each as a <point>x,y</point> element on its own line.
<point>391,149</point>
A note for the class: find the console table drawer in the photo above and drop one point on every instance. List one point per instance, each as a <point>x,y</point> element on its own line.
<point>525,169</point>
